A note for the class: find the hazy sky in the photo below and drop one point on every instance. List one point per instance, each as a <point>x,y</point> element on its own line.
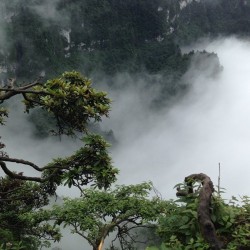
<point>210,125</point>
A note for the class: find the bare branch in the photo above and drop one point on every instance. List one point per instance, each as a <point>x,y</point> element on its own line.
<point>31,164</point>
<point>30,85</point>
<point>10,92</point>
<point>20,177</point>
<point>7,159</point>
<point>27,178</point>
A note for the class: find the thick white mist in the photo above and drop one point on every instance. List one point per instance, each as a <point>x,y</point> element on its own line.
<point>211,125</point>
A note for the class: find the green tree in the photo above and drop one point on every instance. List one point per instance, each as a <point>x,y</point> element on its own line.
<point>195,224</point>
<point>98,213</point>
<point>32,42</point>
<point>114,36</point>
<point>72,101</point>
<point>17,197</point>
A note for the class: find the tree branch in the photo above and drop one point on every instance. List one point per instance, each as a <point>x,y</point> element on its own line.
<point>20,177</point>
<point>11,91</point>
<point>27,178</point>
<point>30,85</point>
<point>31,164</point>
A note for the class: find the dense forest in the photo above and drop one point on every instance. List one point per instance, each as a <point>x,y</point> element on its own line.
<point>98,40</point>
<point>110,36</point>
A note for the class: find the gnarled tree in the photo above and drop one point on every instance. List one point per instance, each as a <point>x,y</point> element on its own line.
<point>203,211</point>
<point>73,102</point>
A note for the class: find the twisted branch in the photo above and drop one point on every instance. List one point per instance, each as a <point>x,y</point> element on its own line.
<point>206,225</point>
<point>8,92</point>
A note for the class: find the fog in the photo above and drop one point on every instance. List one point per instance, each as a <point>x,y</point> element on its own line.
<point>210,125</point>
<point>48,10</point>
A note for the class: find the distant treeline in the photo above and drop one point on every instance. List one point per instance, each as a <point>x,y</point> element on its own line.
<point>110,36</point>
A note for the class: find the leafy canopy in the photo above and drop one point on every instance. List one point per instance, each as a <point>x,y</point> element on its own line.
<point>98,213</point>
<point>71,99</point>
<point>73,103</point>
<point>180,230</point>
<point>18,197</point>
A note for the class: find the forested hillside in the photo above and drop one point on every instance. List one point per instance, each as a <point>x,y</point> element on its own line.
<point>110,36</point>
<point>97,42</point>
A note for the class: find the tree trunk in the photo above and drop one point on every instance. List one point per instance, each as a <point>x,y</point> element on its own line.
<point>206,225</point>
<point>99,244</point>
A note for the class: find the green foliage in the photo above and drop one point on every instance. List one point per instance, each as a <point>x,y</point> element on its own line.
<point>211,19</point>
<point>98,213</point>
<point>114,32</point>
<point>12,246</point>
<point>108,36</point>
<point>72,101</point>
<point>18,198</point>
<point>90,164</point>
<point>179,228</point>
<point>112,36</point>
<point>29,49</point>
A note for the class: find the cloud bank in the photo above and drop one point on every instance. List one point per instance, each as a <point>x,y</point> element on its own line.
<point>210,126</point>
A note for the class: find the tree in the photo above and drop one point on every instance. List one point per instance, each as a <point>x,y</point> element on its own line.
<point>98,213</point>
<point>200,219</point>
<point>114,36</point>
<point>73,103</point>
<point>17,197</point>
